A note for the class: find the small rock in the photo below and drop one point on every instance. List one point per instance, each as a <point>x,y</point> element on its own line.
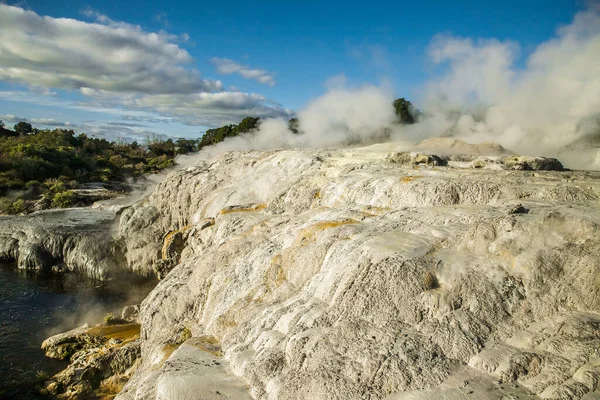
<point>131,312</point>
<point>518,209</point>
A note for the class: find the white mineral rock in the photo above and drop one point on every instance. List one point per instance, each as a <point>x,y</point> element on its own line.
<point>345,274</point>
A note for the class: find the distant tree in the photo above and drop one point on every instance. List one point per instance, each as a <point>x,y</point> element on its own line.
<point>159,148</point>
<point>184,146</point>
<point>293,125</point>
<point>2,124</point>
<point>23,128</point>
<point>248,124</point>
<point>406,113</point>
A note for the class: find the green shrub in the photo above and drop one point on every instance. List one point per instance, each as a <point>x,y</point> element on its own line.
<point>18,206</point>
<point>5,205</point>
<point>63,199</point>
<point>11,206</point>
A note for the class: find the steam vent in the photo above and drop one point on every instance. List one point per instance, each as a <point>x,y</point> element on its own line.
<point>452,272</point>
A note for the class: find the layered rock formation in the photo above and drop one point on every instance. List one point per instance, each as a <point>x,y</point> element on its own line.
<point>74,239</point>
<point>368,274</point>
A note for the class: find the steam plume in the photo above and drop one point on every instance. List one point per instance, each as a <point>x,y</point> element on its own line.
<point>541,108</point>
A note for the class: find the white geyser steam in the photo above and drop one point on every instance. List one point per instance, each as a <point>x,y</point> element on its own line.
<point>541,108</point>
<point>340,117</point>
<point>548,104</point>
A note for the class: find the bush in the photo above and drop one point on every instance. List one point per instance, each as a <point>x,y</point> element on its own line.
<point>18,206</point>
<point>23,127</point>
<point>10,206</point>
<point>63,199</point>
<point>5,205</point>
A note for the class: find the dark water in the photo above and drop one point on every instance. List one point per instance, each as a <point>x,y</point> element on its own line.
<point>34,306</point>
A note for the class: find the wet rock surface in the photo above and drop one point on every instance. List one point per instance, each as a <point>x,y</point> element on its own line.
<point>351,274</point>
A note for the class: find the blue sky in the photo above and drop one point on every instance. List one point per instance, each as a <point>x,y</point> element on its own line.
<point>267,57</point>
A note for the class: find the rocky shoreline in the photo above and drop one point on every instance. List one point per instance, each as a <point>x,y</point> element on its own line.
<point>102,359</point>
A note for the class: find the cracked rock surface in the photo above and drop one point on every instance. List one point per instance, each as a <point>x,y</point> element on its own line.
<point>364,274</point>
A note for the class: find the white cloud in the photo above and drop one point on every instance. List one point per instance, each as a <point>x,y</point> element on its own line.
<point>211,109</point>
<point>36,122</point>
<point>118,68</point>
<point>227,67</point>
<point>10,119</point>
<point>50,122</point>
<point>110,130</point>
<point>106,55</point>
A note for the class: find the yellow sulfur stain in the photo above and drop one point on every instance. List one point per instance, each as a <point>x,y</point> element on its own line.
<point>168,350</point>
<point>274,276</point>
<point>169,238</point>
<point>507,255</point>
<point>410,178</point>
<point>254,208</point>
<point>308,234</point>
<point>124,332</point>
<point>280,276</point>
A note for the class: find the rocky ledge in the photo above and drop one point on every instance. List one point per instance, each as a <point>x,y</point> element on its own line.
<point>102,359</point>
<point>76,239</point>
<point>371,273</point>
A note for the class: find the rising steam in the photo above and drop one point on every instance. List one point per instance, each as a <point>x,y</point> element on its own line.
<point>551,102</point>
<point>548,106</point>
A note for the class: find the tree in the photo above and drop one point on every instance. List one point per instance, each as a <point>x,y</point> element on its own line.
<point>23,128</point>
<point>293,126</point>
<point>185,146</point>
<point>2,124</point>
<point>406,113</point>
<point>248,124</point>
<point>159,148</point>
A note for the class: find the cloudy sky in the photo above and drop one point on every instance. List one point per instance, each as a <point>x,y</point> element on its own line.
<point>138,68</point>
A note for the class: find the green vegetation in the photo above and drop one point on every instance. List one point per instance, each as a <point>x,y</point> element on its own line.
<point>294,126</point>
<point>23,128</point>
<point>213,136</point>
<point>45,168</point>
<point>50,165</point>
<point>406,113</point>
